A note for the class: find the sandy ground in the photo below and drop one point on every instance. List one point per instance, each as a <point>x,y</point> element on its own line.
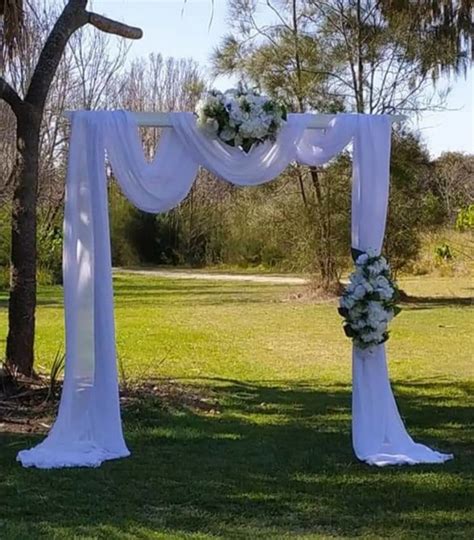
<point>185,274</point>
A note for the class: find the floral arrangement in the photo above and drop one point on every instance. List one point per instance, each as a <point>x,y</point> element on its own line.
<point>368,303</point>
<point>240,118</point>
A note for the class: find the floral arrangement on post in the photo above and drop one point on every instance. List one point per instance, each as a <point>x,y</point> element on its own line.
<point>368,303</point>
<point>240,118</point>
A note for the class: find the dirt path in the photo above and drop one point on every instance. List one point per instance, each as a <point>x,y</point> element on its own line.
<point>185,274</point>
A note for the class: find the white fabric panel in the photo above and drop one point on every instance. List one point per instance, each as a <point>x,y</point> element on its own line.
<point>154,187</point>
<point>263,163</point>
<point>88,428</point>
<point>318,147</point>
<point>378,434</point>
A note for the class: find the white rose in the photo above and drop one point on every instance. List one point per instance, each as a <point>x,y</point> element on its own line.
<point>367,337</point>
<point>360,324</point>
<point>356,312</point>
<point>382,282</point>
<point>384,263</point>
<point>375,268</point>
<point>359,292</point>
<point>347,302</point>
<point>385,293</point>
<point>227,134</point>
<point>362,259</point>
<point>367,286</point>
<point>211,126</point>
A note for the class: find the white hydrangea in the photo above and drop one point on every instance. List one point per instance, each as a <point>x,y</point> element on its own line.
<point>210,126</point>
<point>227,134</point>
<point>243,118</point>
<point>367,303</point>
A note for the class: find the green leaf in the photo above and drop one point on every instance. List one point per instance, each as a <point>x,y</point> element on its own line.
<point>356,253</point>
<point>349,331</point>
<point>343,312</point>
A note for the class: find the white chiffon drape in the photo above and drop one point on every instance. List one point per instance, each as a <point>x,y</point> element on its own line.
<point>88,428</point>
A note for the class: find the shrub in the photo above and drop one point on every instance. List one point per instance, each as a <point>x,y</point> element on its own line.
<point>465,219</point>
<point>443,252</point>
<point>4,277</point>
<point>50,248</point>
<point>121,216</point>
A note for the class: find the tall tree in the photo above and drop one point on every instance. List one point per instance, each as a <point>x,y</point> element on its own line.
<point>386,54</point>
<point>453,182</point>
<point>11,28</point>
<point>368,56</point>
<point>28,108</point>
<point>371,56</point>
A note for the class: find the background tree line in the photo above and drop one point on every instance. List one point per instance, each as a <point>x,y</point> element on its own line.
<point>328,56</point>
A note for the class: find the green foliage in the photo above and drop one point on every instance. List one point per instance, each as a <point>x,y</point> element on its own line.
<point>441,32</point>
<point>5,235</point>
<point>4,277</point>
<point>461,249</point>
<point>57,368</point>
<point>300,222</point>
<point>50,246</point>
<point>452,181</point>
<point>433,213</point>
<point>122,222</point>
<point>443,252</point>
<point>409,205</point>
<point>465,219</point>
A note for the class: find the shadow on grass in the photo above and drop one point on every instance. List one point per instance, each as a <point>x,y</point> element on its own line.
<point>50,296</point>
<point>165,291</point>
<point>203,293</point>
<point>430,302</point>
<point>276,462</point>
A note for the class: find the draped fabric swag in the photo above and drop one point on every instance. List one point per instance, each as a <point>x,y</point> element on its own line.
<point>88,428</point>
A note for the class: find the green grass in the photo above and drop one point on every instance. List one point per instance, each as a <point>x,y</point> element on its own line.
<point>276,462</point>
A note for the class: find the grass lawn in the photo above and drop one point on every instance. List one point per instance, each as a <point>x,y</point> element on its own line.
<point>272,457</point>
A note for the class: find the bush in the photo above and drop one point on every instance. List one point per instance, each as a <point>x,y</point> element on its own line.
<point>465,219</point>
<point>410,206</point>
<point>445,252</point>
<point>50,248</point>
<point>5,236</point>
<point>4,277</point>
<point>121,216</point>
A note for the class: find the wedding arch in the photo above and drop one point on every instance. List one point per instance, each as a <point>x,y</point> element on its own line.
<point>88,428</point>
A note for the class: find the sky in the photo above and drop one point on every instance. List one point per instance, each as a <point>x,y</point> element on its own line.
<point>184,29</point>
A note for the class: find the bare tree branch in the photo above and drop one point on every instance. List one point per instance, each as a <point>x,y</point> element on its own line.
<point>73,17</point>
<point>114,27</point>
<point>8,94</point>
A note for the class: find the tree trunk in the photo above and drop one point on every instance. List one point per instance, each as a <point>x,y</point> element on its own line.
<point>29,112</point>
<point>22,304</point>
<point>324,255</point>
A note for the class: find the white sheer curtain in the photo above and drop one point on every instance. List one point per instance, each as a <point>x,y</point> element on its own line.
<point>379,436</point>
<point>88,428</point>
